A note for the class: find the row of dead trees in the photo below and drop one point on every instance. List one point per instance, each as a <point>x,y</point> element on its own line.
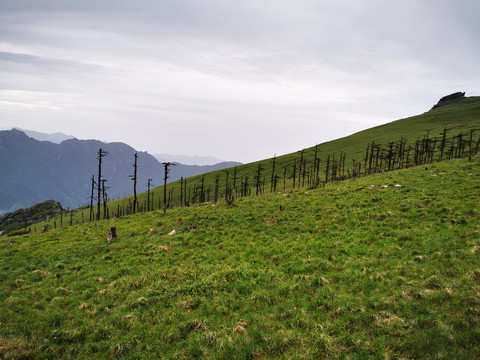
<point>426,150</point>
<point>302,172</point>
<point>133,206</point>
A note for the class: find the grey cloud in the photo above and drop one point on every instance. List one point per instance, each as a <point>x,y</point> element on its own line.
<point>10,61</point>
<point>200,63</point>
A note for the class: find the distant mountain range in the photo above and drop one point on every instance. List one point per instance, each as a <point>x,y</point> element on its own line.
<point>33,171</point>
<point>188,159</point>
<point>56,138</point>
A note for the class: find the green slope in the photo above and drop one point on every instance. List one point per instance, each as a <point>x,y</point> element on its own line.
<point>362,269</point>
<point>22,218</point>
<point>461,116</point>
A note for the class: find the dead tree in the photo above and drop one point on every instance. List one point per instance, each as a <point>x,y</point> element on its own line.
<point>327,166</point>
<point>334,168</point>
<point>303,172</point>
<point>91,198</point>
<point>166,166</point>
<point>275,181</point>
<point>377,156</point>
<point>202,190</point>
<point>341,165</point>
<point>401,152</point>
<point>477,146</point>
<point>215,194</point>
<point>181,191</point>
<point>258,179</point>
<point>101,154</point>
<point>227,196</point>
<point>185,199</point>
<point>443,143</point>
<point>294,172</point>
<point>432,150</point>
<point>244,190</point>
<point>104,197</point>
<point>390,158</point>
<point>317,177</point>
<point>149,183</point>
<point>425,148</point>
<point>300,168</point>
<point>194,197</point>
<point>461,146</point>
<point>273,173</point>
<point>470,143</point>
<point>234,188</point>
<point>134,178</point>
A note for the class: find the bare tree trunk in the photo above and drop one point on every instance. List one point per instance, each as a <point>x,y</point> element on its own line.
<point>149,182</point>
<point>234,182</point>
<point>273,173</point>
<point>202,190</point>
<point>258,179</point>
<point>104,197</point>
<point>327,167</point>
<point>185,199</point>
<point>226,187</point>
<point>134,178</point>
<point>300,168</point>
<point>181,191</point>
<point>101,154</point>
<point>294,173</point>
<point>215,196</point>
<point>91,198</point>
<point>166,171</point>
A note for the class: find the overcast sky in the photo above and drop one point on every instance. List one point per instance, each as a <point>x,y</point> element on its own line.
<point>239,80</point>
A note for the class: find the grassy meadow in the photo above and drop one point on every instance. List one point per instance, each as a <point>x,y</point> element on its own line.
<point>382,267</point>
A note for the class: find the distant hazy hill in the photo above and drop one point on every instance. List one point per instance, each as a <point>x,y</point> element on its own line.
<point>56,138</point>
<point>189,159</point>
<point>33,171</point>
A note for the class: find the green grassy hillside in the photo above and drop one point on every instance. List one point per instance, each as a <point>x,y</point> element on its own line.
<point>459,117</point>
<point>20,219</point>
<point>382,267</point>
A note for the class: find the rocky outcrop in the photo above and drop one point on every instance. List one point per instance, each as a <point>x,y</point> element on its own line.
<point>22,217</point>
<point>447,99</point>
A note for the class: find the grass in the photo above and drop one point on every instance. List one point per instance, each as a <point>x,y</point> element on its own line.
<point>361,269</point>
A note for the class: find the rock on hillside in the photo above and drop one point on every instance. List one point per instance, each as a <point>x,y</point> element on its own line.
<point>447,99</point>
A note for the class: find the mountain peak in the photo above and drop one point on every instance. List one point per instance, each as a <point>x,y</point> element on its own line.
<point>56,137</point>
<point>448,98</point>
